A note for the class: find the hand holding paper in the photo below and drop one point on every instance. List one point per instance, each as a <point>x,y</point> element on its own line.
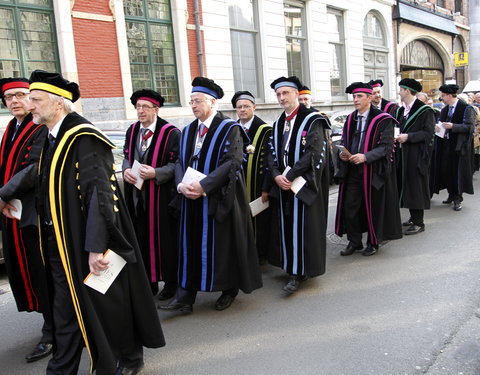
<point>107,276</point>
<point>297,184</point>
<point>440,130</point>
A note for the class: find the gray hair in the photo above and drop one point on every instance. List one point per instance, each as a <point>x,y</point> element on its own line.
<point>67,104</point>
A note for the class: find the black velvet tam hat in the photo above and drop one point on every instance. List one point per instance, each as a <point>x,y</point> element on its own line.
<point>410,84</point>
<point>242,95</point>
<point>305,90</point>
<point>207,86</point>
<point>149,95</point>
<point>12,83</point>
<point>357,87</point>
<point>54,83</point>
<point>449,89</point>
<point>292,81</point>
<point>376,83</point>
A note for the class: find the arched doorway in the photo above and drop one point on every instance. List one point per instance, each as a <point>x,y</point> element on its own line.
<point>420,61</point>
<point>375,49</point>
<point>459,70</point>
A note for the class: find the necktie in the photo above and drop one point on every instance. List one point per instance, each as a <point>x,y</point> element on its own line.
<point>47,160</point>
<point>16,130</point>
<point>450,112</point>
<point>356,142</point>
<point>202,131</point>
<point>146,133</point>
<point>51,141</point>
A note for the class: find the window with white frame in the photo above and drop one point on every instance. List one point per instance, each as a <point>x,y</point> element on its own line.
<point>27,38</point>
<point>245,46</point>
<point>296,35</point>
<point>336,40</point>
<point>151,47</point>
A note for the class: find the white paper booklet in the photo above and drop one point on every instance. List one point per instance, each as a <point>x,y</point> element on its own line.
<point>440,130</point>
<point>297,184</point>
<point>107,277</point>
<point>17,203</point>
<point>396,131</point>
<point>258,206</point>
<point>192,175</point>
<point>136,171</point>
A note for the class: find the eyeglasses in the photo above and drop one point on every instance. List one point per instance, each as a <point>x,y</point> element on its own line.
<point>19,95</point>
<point>143,107</point>
<point>244,107</point>
<point>196,101</point>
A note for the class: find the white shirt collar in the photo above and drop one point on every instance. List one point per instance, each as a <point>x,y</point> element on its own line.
<point>364,114</point>
<point>248,124</point>
<point>209,120</point>
<point>56,128</point>
<point>151,127</point>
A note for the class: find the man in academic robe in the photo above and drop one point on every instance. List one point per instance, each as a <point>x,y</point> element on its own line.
<point>217,251</point>
<point>367,194</point>
<point>414,149</point>
<point>378,100</point>
<point>298,150</point>
<point>82,215</point>
<point>21,146</point>
<point>452,159</point>
<point>153,143</point>
<point>258,183</point>
<point>305,96</point>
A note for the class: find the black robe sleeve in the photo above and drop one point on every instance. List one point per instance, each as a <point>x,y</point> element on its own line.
<point>230,160</point>
<point>384,145</point>
<point>167,172</point>
<point>100,199</point>
<point>313,151</point>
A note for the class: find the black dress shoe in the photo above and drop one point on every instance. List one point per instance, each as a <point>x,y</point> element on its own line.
<point>457,206</point>
<point>414,229</point>
<point>350,249</point>
<point>40,351</point>
<point>408,223</point>
<point>174,305</point>
<point>370,250</point>
<point>294,283</point>
<point>128,370</point>
<point>447,201</point>
<point>224,301</point>
<point>166,293</point>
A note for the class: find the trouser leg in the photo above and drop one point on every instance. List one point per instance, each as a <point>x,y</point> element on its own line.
<point>132,355</point>
<point>417,216</point>
<point>354,207</point>
<point>185,296</point>
<point>47,328</point>
<point>68,338</point>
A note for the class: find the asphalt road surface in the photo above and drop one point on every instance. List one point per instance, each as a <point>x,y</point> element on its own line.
<point>413,308</point>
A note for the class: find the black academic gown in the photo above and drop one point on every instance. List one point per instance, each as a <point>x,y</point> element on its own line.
<point>413,156</point>
<point>299,221</point>
<point>389,107</point>
<point>217,251</point>
<point>452,159</point>
<point>257,180</point>
<point>21,245</point>
<point>155,224</point>
<point>88,212</point>
<point>381,218</point>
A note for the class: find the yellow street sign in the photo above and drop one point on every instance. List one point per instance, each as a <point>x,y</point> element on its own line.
<point>461,59</point>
